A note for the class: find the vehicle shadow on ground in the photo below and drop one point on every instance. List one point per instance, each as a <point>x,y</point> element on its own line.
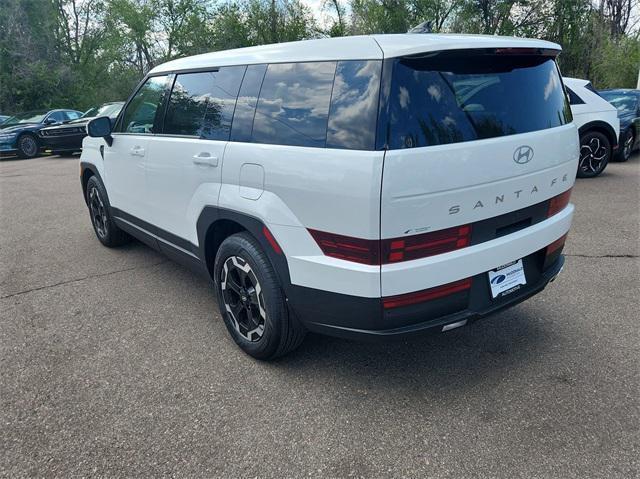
<point>479,353</point>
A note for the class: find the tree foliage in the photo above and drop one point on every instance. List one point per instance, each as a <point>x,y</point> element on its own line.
<point>77,53</point>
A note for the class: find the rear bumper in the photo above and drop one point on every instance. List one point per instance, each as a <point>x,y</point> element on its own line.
<point>364,318</point>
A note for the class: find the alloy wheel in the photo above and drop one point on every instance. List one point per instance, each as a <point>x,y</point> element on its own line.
<point>98,212</point>
<point>243,299</point>
<point>592,156</point>
<point>28,145</point>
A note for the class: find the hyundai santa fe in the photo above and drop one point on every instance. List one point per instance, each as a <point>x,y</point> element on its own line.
<point>364,187</point>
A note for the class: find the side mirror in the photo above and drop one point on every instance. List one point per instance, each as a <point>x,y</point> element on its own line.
<point>100,128</point>
<point>50,121</point>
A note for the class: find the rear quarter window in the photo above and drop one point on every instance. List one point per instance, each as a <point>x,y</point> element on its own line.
<point>354,105</point>
<point>574,99</point>
<point>293,107</point>
<point>466,96</point>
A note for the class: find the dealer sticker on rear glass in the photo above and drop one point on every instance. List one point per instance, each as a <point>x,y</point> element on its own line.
<point>507,279</point>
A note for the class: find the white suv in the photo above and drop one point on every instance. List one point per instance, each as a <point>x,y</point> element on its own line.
<point>372,186</point>
<point>598,126</point>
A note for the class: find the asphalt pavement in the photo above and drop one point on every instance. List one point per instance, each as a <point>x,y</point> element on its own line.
<point>115,362</point>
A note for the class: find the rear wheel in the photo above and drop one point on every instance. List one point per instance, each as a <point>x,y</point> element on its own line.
<point>251,301</point>
<point>106,230</point>
<point>595,152</point>
<point>627,146</point>
<point>28,146</point>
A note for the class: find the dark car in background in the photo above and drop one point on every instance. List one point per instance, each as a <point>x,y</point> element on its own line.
<point>68,136</point>
<point>19,133</point>
<point>627,102</point>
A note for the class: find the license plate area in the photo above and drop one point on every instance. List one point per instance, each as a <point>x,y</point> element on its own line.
<point>507,279</point>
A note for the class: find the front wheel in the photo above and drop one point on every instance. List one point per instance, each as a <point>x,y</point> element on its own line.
<point>106,229</point>
<point>28,146</point>
<point>595,152</point>
<point>251,301</point>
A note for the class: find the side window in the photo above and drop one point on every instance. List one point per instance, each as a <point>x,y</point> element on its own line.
<point>573,98</point>
<point>72,115</point>
<point>354,105</point>
<point>58,116</point>
<point>247,101</point>
<point>140,115</point>
<point>202,104</point>
<point>293,107</point>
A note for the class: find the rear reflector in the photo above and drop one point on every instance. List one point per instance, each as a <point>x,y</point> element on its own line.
<point>558,203</point>
<point>426,295</point>
<point>394,250</point>
<point>272,241</point>
<point>556,245</point>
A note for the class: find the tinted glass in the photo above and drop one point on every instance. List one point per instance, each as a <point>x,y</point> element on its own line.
<point>574,99</point>
<point>455,97</point>
<point>140,114</point>
<point>354,105</point>
<point>58,116</point>
<point>27,117</point>
<point>72,115</point>
<point>247,101</point>
<point>294,104</point>
<point>108,109</point>
<point>202,104</point>
<point>624,102</point>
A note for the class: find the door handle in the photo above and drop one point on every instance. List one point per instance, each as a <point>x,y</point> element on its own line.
<point>137,151</point>
<point>205,159</point>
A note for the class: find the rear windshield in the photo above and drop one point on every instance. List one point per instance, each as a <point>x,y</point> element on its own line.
<point>462,96</point>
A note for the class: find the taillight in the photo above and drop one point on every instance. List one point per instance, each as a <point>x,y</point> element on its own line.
<point>558,203</point>
<point>426,295</point>
<point>427,244</point>
<point>345,247</point>
<point>392,250</point>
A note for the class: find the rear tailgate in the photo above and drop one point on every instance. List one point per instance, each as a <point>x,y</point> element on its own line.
<point>432,188</point>
<point>477,138</point>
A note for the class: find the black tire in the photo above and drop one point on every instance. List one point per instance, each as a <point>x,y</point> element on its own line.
<point>626,146</point>
<point>28,146</point>
<point>595,153</point>
<point>251,301</point>
<point>105,228</point>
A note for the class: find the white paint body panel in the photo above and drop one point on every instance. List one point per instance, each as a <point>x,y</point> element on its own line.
<point>181,174</point>
<point>125,173</point>
<point>421,185</point>
<point>594,108</point>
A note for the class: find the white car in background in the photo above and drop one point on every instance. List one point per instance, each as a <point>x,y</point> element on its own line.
<point>598,126</point>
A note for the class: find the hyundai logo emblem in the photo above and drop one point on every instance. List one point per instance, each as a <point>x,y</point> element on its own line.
<point>523,154</point>
<point>498,279</point>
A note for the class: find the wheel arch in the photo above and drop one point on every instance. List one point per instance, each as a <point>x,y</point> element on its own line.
<point>602,127</point>
<point>215,224</point>
<point>87,170</point>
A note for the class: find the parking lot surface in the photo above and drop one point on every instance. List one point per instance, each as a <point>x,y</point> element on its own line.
<point>116,362</point>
